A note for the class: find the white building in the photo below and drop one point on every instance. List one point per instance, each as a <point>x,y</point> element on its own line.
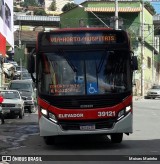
<point>59,4</point>
<point>6,31</point>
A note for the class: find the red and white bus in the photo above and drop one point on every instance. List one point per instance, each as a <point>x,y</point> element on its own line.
<point>84,82</point>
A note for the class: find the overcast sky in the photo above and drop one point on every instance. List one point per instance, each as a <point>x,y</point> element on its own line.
<point>78,1</point>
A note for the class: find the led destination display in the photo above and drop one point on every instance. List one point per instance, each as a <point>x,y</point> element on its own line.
<point>77,38</point>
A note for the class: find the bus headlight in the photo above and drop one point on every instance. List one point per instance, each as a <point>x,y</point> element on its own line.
<point>44,111</point>
<point>49,115</point>
<point>52,117</point>
<point>124,112</point>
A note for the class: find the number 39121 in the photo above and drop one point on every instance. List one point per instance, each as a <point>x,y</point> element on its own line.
<point>106,113</point>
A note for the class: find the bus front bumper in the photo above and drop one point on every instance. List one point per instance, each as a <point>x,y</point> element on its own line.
<point>49,128</point>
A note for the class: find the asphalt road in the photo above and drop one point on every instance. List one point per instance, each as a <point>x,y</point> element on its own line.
<point>21,137</point>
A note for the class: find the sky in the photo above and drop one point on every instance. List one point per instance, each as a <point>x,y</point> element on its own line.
<point>156,5</point>
<point>78,1</point>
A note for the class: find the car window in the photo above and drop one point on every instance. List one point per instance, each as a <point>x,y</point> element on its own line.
<point>26,76</point>
<point>10,95</point>
<point>21,86</point>
<point>156,87</point>
<point>19,69</point>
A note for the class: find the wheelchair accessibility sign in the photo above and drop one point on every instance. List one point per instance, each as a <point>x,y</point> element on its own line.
<point>92,88</point>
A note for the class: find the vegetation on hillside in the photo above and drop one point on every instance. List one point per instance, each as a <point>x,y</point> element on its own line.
<point>68,6</point>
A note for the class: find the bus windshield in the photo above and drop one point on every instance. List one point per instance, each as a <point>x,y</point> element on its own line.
<point>97,72</point>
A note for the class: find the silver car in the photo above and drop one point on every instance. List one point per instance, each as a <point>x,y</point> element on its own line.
<point>27,90</point>
<point>153,92</point>
<point>13,104</point>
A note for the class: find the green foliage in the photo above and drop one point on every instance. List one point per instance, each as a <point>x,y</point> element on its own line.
<point>68,6</point>
<point>30,3</point>
<point>40,12</point>
<point>53,6</point>
<point>15,9</point>
<point>22,4</point>
<point>150,7</point>
<point>133,38</point>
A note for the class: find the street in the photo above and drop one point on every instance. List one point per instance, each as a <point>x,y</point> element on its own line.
<point>21,137</point>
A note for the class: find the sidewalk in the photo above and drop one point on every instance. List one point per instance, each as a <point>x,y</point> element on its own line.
<point>136,98</point>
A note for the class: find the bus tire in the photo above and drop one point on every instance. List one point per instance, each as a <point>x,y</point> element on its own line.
<point>1,118</point>
<point>49,140</point>
<point>1,121</point>
<point>20,115</point>
<point>30,109</point>
<point>116,137</point>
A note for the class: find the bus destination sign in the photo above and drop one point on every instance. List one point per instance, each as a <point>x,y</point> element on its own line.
<point>80,38</point>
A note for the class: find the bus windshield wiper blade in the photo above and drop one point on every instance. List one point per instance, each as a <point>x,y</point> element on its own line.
<point>102,61</point>
<point>71,65</point>
<point>68,61</point>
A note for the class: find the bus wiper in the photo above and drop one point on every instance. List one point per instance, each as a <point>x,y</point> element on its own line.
<point>71,65</point>
<point>68,61</point>
<point>104,56</point>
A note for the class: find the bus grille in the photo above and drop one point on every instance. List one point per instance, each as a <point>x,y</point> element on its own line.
<point>74,103</point>
<point>81,102</point>
<point>99,124</point>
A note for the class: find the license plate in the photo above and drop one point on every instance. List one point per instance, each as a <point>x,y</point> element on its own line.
<point>87,127</point>
<point>6,110</point>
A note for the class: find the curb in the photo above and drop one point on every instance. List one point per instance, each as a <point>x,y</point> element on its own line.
<point>136,98</point>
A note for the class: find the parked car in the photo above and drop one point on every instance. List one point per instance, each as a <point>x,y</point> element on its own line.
<point>27,90</point>
<point>13,62</point>
<point>153,92</point>
<point>19,71</point>
<point>1,113</point>
<point>13,104</point>
<point>26,76</point>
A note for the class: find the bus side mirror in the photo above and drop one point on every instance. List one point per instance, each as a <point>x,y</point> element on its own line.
<point>31,62</point>
<point>134,63</point>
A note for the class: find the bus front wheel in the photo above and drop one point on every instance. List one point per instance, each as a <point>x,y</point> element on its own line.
<point>49,140</point>
<point>116,137</point>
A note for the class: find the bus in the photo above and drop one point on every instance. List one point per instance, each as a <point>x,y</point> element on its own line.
<point>84,82</point>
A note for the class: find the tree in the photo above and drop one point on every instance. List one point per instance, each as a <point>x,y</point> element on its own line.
<point>150,7</point>
<point>40,12</point>
<point>15,9</point>
<point>53,6</point>
<point>68,6</point>
<point>30,3</point>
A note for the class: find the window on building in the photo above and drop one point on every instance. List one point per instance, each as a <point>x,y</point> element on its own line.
<point>148,62</point>
<point>158,68</point>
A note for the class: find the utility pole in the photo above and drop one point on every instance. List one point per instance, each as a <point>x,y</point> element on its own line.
<point>142,52</point>
<point>153,42</point>
<point>19,35</point>
<point>116,14</point>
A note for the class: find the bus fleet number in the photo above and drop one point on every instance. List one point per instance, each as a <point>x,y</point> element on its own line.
<point>107,113</point>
